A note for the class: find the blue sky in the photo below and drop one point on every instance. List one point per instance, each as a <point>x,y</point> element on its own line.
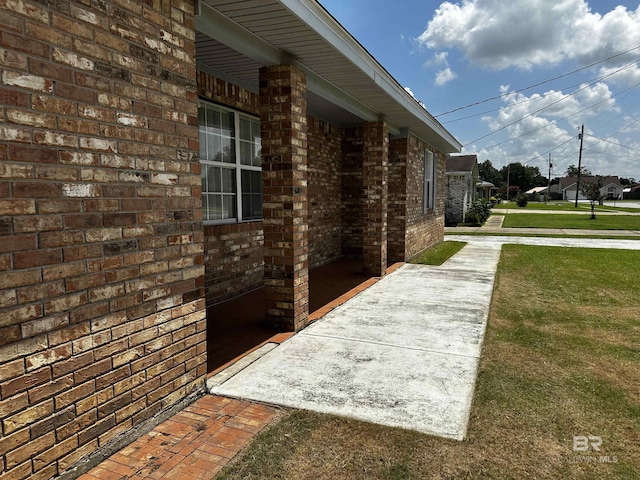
<point>452,54</point>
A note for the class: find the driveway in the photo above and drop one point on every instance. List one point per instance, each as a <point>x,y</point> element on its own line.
<point>402,353</point>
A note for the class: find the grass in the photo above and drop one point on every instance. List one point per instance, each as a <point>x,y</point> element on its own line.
<point>602,222</point>
<point>560,359</point>
<point>567,206</point>
<point>439,254</point>
<point>545,235</point>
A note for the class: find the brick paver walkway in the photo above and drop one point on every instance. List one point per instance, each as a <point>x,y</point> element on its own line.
<point>194,444</point>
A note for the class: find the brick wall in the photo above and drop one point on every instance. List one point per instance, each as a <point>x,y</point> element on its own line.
<point>283,128</point>
<point>102,312</point>
<point>397,219</point>
<point>375,178</point>
<point>456,186</point>
<point>423,230</point>
<point>411,230</point>
<point>225,93</point>
<point>325,240</point>
<point>234,259</point>
<point>351,192</point>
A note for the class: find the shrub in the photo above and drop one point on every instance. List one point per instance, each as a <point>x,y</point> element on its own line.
<point>522,199</point>
<point>478,212</point>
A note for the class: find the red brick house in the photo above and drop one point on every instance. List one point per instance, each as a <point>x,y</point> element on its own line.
<point>157,156</point>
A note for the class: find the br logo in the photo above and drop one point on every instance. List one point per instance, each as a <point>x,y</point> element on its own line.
<point>583,444</point>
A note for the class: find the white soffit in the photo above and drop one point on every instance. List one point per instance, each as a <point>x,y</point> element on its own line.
<point>301,33</point>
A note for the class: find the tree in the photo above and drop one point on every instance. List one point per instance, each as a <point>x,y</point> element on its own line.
<point>523,176</point>
<point>489,173</point>
<point>628,181</point>
<point>592,190</point>
<point>572,171</point>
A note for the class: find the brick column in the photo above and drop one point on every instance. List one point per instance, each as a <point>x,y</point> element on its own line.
<point>375,172</point>
<point>283,116</point>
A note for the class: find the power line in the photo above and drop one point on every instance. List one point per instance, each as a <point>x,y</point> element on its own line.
<point>622,112</point>
<point>548,152</point>
<point>591,82</point>
<point>550,123</point>
<point>536,84</point>
<point>623,128</point>
<point>614,143</point>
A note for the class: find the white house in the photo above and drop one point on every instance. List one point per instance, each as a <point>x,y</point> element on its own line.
<point>462,178</point>
<point>611,189</point>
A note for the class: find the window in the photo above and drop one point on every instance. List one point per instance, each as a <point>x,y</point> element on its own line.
<point>429,181</point>
<point>231,165</point>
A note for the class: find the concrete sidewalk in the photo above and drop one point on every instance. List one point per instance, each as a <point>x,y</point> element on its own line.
<point>488,228</point>
<point>402,353</point>
<point>610,243</point>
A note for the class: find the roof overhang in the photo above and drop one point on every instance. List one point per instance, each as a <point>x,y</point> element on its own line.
<point>346,85</point>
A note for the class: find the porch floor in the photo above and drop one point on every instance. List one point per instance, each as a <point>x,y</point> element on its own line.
<point>238,325</point>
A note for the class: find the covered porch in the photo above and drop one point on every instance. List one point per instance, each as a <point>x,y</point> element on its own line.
<point>239,325</point>
<point>338,137</point>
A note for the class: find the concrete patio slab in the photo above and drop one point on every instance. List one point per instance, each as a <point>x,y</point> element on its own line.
<point>402,353</point>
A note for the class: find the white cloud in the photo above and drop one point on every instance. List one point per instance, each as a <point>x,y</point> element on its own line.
<point>444,76</point>
<point>531,126</point>
<point>525,33</point>
<point>439,59</point>
<point>528,34</point>
<point>410,92</point>
<point>586,101</point>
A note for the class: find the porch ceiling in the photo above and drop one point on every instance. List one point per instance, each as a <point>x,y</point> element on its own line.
<point>346,85</point>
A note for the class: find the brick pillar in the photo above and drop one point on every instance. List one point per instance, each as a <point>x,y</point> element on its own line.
<point>283,116</point>
<point>375,172</point>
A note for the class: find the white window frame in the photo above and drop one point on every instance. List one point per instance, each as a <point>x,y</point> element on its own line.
<point>237,166</point>
<point>429,187</point>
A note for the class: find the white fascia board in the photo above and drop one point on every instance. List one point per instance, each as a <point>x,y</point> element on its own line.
<point>214,24</point>
<point>315,16</point>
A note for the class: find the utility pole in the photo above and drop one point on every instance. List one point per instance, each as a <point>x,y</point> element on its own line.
<point>508,173</point>
<point>548,195</point>
<point>579,165</point>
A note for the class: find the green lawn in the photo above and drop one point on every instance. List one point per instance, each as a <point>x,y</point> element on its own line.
<point>560,359</point>
<point>546,235</point>
<point>602,222</point>
<point>439,254</point>
<point>567,206</point>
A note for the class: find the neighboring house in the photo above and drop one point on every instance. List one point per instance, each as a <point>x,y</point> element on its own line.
<point>485,190</point>
<point>537,192</point>
<point>158,157</point>
<point>612,188</point>
<point>631,193</point>
<point>462,178</point>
